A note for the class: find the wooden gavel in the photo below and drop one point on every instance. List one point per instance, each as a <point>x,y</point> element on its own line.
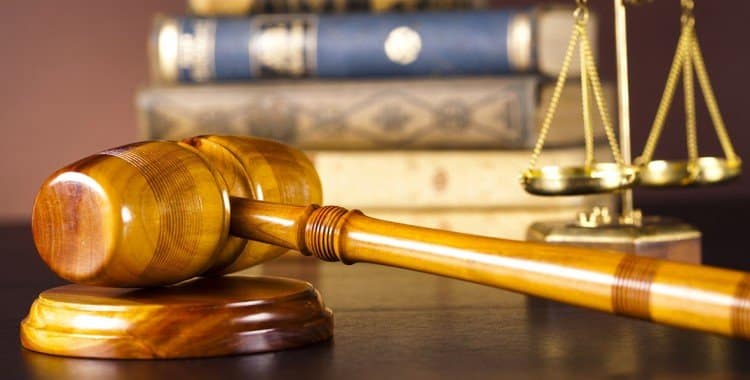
<point>156,213</point>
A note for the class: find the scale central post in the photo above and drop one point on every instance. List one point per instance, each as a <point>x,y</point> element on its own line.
<point>623,102</point>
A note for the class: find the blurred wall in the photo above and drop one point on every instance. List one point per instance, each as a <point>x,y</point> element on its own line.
<point>69,71</point>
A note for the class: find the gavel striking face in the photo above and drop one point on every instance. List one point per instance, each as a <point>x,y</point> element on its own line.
<point>156,213</point>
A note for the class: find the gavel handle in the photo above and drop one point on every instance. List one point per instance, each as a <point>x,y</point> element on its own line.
<point>691,296</point>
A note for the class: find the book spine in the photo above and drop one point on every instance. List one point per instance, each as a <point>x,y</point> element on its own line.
<point>470,113</point>
<point>246,7</point>
<point>189,49</point>
<point>434,179</point>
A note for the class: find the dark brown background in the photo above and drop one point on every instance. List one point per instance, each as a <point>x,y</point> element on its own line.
<point>69,71</point>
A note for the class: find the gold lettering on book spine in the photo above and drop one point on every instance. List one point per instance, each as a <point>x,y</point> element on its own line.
<point>385,5</point>
<point>520,41</point>
<point>281,45</point>
<point>196,50</point>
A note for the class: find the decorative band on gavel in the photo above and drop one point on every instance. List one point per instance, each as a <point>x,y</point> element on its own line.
<point>157,213</point>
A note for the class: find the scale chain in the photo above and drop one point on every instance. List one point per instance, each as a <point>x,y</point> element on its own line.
<point>589,82</point>
<point>688,61</point>
<point>666,100</point>
<point>689,93</point>
<point>557,92</point>
<point>600,103</point>
<point>711,103</point>
<point>588,130</point>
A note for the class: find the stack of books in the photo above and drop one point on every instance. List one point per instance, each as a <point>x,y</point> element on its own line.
<point>416,111</point>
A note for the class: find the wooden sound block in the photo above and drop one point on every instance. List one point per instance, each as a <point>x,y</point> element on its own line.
<point>198,318</point>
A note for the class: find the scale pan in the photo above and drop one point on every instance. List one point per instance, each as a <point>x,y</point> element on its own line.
<point>710,170</point>
<point>579,180</point>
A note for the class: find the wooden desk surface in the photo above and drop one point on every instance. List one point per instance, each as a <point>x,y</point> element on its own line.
<point>392,323</point>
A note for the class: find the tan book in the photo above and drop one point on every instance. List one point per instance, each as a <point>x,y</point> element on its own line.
<point>436,179</point>
<point>506,223</point>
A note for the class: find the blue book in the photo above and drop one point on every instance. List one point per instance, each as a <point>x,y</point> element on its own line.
<point>191,49</point>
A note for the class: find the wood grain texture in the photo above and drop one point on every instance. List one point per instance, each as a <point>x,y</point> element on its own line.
<point>263,170</point>
<point>199,318</point>
<point>157,213</point>
<point>410,325</point>
<point>741,307</point>
<point>684,295</point>
<point>142,214</point>
<point>690,296</point>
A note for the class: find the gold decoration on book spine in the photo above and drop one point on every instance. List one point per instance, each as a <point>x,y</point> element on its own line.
<point>520,42</point>
<point>283,45</point>
<point>197,50</point>
<point>403,45</point>
<point>174,50</point>
<point>164,47</point>
<point>221,7</point>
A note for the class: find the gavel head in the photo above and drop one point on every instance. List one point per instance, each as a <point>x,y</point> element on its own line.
<point>156,213</point>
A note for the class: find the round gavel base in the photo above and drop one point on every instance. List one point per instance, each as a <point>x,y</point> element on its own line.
<point>198,318</point>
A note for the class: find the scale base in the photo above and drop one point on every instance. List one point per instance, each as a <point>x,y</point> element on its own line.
<point>658,237</point>
<point>198,318</point>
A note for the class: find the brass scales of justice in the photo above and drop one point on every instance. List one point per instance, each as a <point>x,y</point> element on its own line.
<point>631,231</point>
<point>147,231</point>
